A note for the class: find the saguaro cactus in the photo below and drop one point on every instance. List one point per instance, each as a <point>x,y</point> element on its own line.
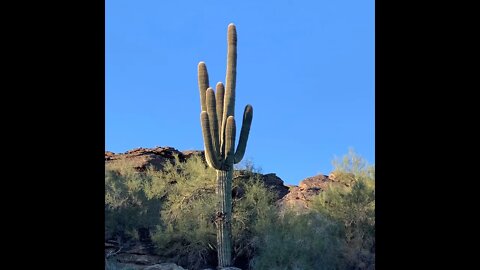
<point>218,128</point>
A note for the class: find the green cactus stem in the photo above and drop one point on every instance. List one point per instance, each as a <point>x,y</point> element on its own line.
<point>219,131</point>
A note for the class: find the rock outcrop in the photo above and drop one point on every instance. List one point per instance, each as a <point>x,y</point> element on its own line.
<point>142,158</point>
<point>299,197</point>
<point>271,181</point>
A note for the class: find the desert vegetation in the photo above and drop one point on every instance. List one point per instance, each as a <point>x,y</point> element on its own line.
<point>175,208</point>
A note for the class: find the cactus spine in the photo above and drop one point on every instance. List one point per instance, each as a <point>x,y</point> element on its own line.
<point>219,129</point>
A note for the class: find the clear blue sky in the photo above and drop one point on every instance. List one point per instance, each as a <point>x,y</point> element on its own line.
<point>307,68</point>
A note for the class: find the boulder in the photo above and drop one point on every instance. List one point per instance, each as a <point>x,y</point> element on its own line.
<point>271,181</point>
<point>315,183</point>
<point>299,197</point>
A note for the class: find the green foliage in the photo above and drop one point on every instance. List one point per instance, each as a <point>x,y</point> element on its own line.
<point>337,233</point>
<point>250,213</point>
<point>178,205</point>
<point>187,235</point>
<point>298,241</point>
<point>352,205</point>
<point>249,166</point>
<point>127,206</point>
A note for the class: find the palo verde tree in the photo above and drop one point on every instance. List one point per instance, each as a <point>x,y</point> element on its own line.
<point>218,128</point>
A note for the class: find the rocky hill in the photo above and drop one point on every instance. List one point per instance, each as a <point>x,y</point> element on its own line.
<point>294,196</point>
<point>138,256</point>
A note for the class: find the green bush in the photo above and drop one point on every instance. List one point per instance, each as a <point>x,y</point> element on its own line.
<point>250,212</point>
<point>338,232</point>
<point>350,202</point>
<point>127,206</point>
<point>187,235</point>
<point>298,241</point>
<point>178,206</point>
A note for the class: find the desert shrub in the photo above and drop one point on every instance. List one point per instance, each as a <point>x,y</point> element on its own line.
<point>298,241</point>
<point>250,212</point>
<point>338,232</point>
<point>248,165</point>
<point>187,234</point>
<point>351,203</point>
<point>127,206</point>
<point>178,205</point>
<point>175,205</point>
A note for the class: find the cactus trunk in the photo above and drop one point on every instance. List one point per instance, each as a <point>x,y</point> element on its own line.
<point>224,217</point>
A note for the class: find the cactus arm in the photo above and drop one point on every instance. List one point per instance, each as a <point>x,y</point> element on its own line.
<point>220,98</point>
<point>212,119</point>
<point>230,132</point>
<point>227,108</point>
<point>242,143</point>
<point>202,84</point>
<point>220,91</point>
<point>210,154</point>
